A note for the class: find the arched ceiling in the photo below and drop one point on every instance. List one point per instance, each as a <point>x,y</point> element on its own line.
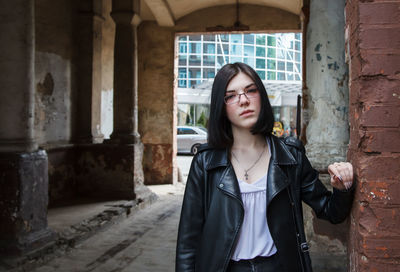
<point>166,12</point>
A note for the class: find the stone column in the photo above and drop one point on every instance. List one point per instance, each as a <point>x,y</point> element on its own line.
<point>124,13</point>
<point>90,50</point>
<point>23,168</point>
<point>325,121</point>
<point>125,145</point>
<point>326,105</point>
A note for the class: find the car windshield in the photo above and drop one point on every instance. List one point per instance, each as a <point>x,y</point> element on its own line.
<point>203,129</point>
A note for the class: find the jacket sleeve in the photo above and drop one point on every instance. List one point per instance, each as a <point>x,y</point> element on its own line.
<point>192,217</point>
<point>333,206</point>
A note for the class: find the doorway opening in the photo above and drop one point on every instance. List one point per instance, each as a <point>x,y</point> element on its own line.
<point>276,57</point>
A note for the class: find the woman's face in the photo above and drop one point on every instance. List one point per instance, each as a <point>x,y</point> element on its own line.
<point>243,114</point>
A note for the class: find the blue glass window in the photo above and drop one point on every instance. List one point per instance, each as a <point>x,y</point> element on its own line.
<point>182,83</point>
<point>271,64</point>
<point>298,67</point>
<point>182,73</point>
<point>209,60</point>
<point>182,60</point>
<point>289,76</point>
<point>260,39</point>
<point>183,38</point>
<point>271,40</point>
<point>223,37</point>
<point>271,52</point>
<point>194,73</point>
<point>298,46</point>
<point>236,38</point>
<point>224,47</point>
<point>261,74</point>
<point>248,51</point>
<point>260,63</point>
<point>195,48</point>
<point>271,75</point>
<point>289,66</point>
<point>208,73</point>
<point>281,76</point>
<point>194,37</point>
<point>297,56</point>
<point>236,49</point>
<point>249,61</point>
<point>260,51</point>
<point>182,47</point>
<point>221,61</point>
<point>210,38</point>
<point>248,38</point>
<point>235,59</point>
<point>281,65</point>
<point>280,54</point>
<point>209,48</point>
<point>194,60</point>
<point>289,55</point>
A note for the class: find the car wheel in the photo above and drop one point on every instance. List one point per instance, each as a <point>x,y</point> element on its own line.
<point>194,149</point>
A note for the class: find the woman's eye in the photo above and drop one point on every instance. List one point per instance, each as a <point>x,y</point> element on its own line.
<point>252,91</point>
<point>228,97</point>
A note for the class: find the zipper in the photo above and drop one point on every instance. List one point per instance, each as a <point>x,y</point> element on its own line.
<point>292,204</point>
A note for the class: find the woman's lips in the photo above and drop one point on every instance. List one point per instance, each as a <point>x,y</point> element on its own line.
<point>246,112</point>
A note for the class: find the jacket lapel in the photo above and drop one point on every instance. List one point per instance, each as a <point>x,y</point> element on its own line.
<point>228,182</point>
<point>277,179</point>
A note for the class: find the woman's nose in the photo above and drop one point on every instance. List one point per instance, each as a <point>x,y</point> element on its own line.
<point>243,99</point>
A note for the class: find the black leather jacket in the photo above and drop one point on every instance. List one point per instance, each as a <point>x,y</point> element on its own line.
<point>212,211</point>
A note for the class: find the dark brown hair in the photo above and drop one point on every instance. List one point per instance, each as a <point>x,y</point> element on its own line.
<point>219,126</point>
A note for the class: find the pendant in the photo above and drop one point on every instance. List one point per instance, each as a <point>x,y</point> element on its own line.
<point>246,175</point>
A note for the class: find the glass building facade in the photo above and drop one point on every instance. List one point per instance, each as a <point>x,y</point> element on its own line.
<point>273,56</point>
<point>276,57</point>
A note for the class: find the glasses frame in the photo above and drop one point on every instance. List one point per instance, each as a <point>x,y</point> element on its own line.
<point>237,95</point>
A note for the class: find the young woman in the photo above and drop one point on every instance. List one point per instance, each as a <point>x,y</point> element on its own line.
<point>242,205</point>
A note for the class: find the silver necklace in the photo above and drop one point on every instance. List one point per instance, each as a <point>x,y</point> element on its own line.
<point>246,175</point>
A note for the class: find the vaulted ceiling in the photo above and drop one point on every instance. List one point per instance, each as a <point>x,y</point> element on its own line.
<point>166,12</point>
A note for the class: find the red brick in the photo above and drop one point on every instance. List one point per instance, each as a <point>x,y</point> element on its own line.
<point>379,192</point>
<point>388,165</point>
<point>387,140</point>
<point>380,116</point>
<point>382,37</point>
<point>378,222</point>
<point>371,264</point>
<point>380,248</point>
<point>375,90</point>
<point>379,13</point>
<point>376,63</point>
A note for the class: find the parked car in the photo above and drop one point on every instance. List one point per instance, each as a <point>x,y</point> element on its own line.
<point>189,138</point>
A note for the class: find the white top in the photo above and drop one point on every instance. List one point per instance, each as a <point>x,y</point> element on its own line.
<point>254,237</point>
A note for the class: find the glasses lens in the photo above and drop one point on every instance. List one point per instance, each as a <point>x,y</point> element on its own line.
<point>252,93</point>
<point>230,99</point>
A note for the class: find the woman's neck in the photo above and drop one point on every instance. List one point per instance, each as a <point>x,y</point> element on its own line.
<point>244,139</point>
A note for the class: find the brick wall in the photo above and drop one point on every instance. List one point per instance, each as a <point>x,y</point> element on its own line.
<point>373,53</point>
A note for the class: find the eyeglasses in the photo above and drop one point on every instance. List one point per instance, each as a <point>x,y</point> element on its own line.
<point>235,97</point>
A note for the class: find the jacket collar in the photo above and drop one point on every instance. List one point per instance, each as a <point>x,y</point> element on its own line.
<point>277,178</point>
<point>280,154</point>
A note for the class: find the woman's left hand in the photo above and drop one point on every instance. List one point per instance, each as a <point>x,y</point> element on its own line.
<point>341,175</point>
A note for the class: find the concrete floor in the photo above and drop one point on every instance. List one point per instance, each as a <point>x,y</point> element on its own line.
<point>145,241</point>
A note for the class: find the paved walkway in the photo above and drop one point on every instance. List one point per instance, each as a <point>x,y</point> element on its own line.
<point>143,242</point>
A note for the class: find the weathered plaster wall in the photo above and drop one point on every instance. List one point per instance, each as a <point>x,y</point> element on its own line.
<point>373,50</point>
<point>54,71</point>
<point>325,122</point>
<point>155,100</point>
<point>107,66</point>
<point>157,107</point>
<point>55,87</point>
